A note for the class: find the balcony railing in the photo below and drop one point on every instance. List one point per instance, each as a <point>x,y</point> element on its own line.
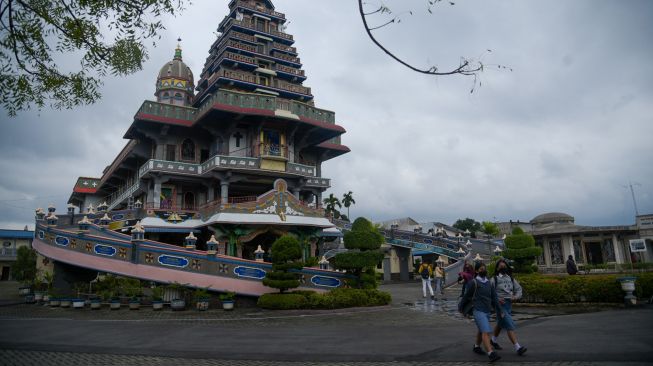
<point>250,78</point>
<point>284,48</point>
<point>283,56</point>
<point>289,70</point>
<point>260,9</point>
<point>7,252</point>
<point>240,23</point>
<point>167,111</point>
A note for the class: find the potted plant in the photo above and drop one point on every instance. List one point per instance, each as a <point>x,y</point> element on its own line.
<point>96,303</point>
<point>78,301</point>
<point>65,302</point>
<point>178,301</point>
<point>134,294</point>
<point>628,286</point>
<point>54,299</point>
<point>157,297</point>
<point>114,301</point>
<point>228,299</point>
<point>202,299</point>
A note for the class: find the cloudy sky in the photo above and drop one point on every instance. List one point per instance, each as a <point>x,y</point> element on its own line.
<point>566,130</point>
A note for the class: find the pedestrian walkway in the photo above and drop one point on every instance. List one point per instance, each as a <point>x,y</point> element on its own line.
<point>20,358</point>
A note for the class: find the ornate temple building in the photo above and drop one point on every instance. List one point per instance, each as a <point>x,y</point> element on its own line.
<point>213,172</point>
<point>206,157</point>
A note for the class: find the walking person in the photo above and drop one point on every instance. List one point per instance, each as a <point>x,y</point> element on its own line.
<point>483,296</point>
<point>508,290</point>
<point>465,276</point>
<point>438,275</point>
<point>426,272</point>
<point>571,265</point>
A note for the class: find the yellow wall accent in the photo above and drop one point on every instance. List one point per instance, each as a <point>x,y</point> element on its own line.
<point>275,165</point>
<point>116,225</point>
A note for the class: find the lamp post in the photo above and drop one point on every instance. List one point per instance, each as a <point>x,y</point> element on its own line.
<point>190,241</point>
<point>212,246</point>
<point>497,251</point>
<point>258,253</point>
<point>324,263</point>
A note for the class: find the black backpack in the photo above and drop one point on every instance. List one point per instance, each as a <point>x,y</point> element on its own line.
<point>425,272</point>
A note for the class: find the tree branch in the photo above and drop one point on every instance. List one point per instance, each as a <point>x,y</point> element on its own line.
<point>463,69</point>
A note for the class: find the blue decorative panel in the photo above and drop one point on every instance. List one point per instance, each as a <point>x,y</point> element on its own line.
<point>117,217</point>
<point>61,240</point>
<point>249,272</point>
<point>451,246</point>
<point>41,234</point>
<point>325,281</point>
<point>428,241</point>
<point>172,261</point>
<point>107,250</point>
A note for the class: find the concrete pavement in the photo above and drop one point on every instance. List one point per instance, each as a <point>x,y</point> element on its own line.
<point>409,332</point>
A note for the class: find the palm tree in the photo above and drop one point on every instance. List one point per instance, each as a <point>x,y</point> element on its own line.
<point>348,200</point>
<point>330,204</point>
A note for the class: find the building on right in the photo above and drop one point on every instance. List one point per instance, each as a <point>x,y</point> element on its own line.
<point>558,236</point>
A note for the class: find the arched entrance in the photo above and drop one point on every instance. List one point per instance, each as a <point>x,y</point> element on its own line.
<point>263,237</point>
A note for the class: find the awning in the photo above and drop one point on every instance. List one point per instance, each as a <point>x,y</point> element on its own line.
<point>331,232</point>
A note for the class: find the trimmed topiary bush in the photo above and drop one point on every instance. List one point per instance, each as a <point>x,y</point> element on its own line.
<point>363,241</point>
<point>521,249</point>
<point>286,253</point>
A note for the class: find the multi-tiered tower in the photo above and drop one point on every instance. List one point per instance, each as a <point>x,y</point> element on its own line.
<point>239,159</point>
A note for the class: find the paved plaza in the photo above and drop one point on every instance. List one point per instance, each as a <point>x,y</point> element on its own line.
<point>410,331</point>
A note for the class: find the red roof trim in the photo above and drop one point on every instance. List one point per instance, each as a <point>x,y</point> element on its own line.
<point>329,145</point>
<point>84,190</point>
<point>168,120</point>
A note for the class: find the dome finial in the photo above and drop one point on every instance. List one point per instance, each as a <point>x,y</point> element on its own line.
<point>178,50</point>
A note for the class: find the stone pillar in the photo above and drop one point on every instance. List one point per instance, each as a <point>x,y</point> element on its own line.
<point>404,269</point>
<point>295,192</point>
<point>211,194</point>
<point>158,152</point>
<point>156,196</point>
<point>567,247</point>
<point>224,192</point>
<point>618,253</point>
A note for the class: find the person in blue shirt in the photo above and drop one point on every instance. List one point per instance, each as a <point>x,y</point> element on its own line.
<point>484,297</point>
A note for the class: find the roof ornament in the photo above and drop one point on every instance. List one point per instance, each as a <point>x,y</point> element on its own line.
<point>178,50</point>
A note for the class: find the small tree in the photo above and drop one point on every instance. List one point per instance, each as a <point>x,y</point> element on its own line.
<point>521,248</point>
<point>363,241</point>
<point>330,204</point>
<point>489,228</point>
<point>347,201</point>
<point>24,270</point>
<point>286,253</point>
<point>468,224</point>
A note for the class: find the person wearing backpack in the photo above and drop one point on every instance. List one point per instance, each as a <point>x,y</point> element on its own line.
<point>483,297</point>
<point>426,272</point>
<point>438,275</point>
<point>508,289</point>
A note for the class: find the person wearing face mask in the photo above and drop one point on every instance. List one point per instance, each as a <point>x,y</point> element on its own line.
<point>483,295</point>
<point>508,290</point>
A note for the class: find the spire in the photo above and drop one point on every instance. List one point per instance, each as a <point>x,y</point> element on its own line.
<point>178,51</point>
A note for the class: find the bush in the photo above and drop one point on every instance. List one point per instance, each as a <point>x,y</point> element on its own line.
<point>520,248</point>
<point>581,288</point>
<point>286,253</point>
<point>24,269</point>
<point>335,299</point>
